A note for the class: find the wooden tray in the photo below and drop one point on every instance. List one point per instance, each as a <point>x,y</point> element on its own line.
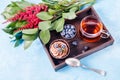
<point>76,52</point>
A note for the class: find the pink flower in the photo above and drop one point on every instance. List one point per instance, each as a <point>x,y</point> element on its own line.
<point>29,15</point>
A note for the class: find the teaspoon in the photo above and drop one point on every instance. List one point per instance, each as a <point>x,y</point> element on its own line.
<point>76,63</point>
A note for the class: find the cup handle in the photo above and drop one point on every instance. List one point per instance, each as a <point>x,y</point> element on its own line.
<point>105,34</point>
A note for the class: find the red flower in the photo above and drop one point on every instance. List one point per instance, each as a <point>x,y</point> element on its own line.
<point>29,15</point>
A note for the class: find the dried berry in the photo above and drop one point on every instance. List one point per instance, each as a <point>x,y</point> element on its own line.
<point>75,43</point>
<point>63,46</point>
<point>86,48</point>
<point>55,45</point>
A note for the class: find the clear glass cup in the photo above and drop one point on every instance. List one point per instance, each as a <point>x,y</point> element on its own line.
<point>91,29</point>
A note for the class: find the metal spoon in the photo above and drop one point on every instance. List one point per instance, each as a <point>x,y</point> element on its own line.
<point>76,63</point>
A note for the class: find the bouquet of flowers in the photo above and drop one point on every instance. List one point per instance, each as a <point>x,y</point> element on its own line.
<point>27,21</point>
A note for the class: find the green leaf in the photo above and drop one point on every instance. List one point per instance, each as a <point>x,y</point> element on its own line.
<point>51,11</point>
<point>18,35</point>
<point>50,1</point>
<point>13,10</point>
<point>16,24</point>
<point>30,31</point>
<point>22,4</point>
<point>64,2</point>
<point>58,25</point>
<point>57,6</point>
<point>45,36</point>
<point>6,15</point>
<point>20,24</point>
<point>45,25</point>
<point>10,10</point>
<point>69,15</point>
<point>9,31</point>
<point>18,42</point>
<point>74,9</point>
<point>27,44</point>
<point>11,25</point>
<point>86,2</point>
<point>44,16</point>
<point>27,37</point>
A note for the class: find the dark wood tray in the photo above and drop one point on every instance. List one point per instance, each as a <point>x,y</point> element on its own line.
<point>76,52</point>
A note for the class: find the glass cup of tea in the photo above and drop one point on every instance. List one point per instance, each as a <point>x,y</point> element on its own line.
<point>91,29</point>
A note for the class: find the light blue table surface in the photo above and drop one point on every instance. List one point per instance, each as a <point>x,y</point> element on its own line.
<point>33,63</point>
